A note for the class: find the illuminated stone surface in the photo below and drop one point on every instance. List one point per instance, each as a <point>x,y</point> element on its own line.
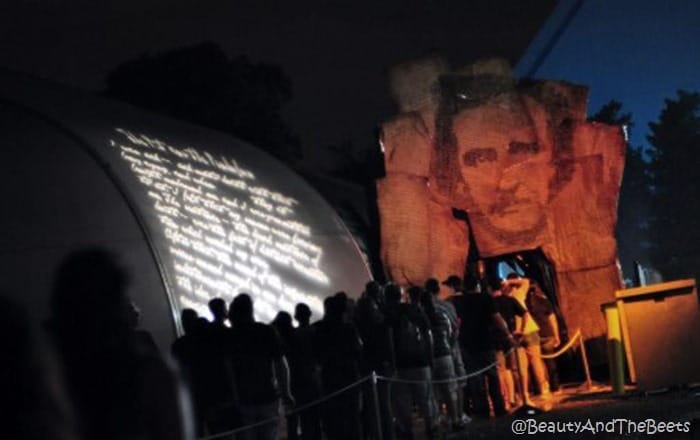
<point>525,165</point>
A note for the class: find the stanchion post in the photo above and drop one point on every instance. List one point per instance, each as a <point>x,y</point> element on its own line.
<point>615,350</point>
<point>584,357</point>
<point>377,412</point>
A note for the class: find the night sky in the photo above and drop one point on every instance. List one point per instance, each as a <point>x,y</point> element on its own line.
<point>638,52</point>
<point>336,52</point>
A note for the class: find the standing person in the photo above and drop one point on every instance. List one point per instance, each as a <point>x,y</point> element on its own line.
<point>260,370</point>
<point>377,356</point>
<point>543,313</point>
<point>529,352</point>
<point>212,375</point>
<point>443,323</point>
<point>188,351</point>
<point>207,370</point>
<point>120,389</point>
<point>306,383</point>
<point>282,323</point>
<point>477,314</point>
<point>338,349</point>
<point>34,402</point>
<point>460,370</point>
<point>143,337</point>
<point>217,307</point>
<point>413,354</point>
<point>508,370</point>
<point>218,331</point>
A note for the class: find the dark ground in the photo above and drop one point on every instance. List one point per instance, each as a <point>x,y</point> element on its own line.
<point>614,417</point>
<point>679,405</point>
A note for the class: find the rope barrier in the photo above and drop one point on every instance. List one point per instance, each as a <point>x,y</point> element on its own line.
<point>288,413</point>
<point>565,348</point>
<point>456,379</point>
<point>328,397</point>
<point>561,351</point>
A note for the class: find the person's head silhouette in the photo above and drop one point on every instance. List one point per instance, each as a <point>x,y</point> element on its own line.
<point>241,311</point>
<point>432,286</point>
<point>414,294</point>
<point>217,307</point>
<point>188,317</point>
<point>373,290</point>
<point>283,323</point>
<point>89,295</point>
<point>334,307</point>
<point>302,313</point>
<point>392,293</point>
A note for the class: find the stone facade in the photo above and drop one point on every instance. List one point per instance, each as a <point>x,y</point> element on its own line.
<point>521,160</point>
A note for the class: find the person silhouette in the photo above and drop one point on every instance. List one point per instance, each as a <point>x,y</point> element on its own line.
<point>378,357</point>
<point>217,307</point>
<point>338,347</point>
<point>184,349</point>
<point>260,370</point>
<point>206,372</point>
<point>119,389</point>
<point>34,400</point>
<point>305,378</point>
<point>302,314</point>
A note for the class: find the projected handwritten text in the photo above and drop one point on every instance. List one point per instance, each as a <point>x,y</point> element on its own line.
<point>226,232</point>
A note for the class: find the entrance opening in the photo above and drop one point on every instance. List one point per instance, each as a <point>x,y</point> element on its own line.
<point>531,263</point>
<point>489,271</point>
<point>534,265</point>
<point>528,264</point>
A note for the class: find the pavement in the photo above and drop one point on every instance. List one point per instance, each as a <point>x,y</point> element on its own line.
<point>582,413</point>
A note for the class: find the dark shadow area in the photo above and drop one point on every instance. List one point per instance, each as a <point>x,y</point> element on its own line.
<point>119,384</point>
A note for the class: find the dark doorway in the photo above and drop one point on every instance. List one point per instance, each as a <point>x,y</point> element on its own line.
<point>489,271</point>
<point>529,264</point>
<point>534,265</point>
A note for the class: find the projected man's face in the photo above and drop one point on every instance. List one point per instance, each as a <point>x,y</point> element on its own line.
<point>505,170</point>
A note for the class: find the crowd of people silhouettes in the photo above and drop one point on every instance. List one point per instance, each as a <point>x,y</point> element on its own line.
<point>359,372</point>
<point>419,349</point>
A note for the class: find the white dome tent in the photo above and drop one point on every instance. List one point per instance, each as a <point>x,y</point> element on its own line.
<point>192,213</point>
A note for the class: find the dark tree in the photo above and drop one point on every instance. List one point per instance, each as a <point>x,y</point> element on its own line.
<point>633,206</point>
<point>674,166</point>
<point>610,114</point>
<point>362,166</point>
<point>348,163</point>
<point>201,84</point>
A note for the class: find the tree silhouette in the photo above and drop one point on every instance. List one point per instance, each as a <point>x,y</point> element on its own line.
<point>201,84</point>
<point>610,114</point>
<point>360,166</point>
<point>633,207</point>
<point>674,166</point>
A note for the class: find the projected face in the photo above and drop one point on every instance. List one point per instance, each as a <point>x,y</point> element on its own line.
<point>226,232</point>
<point>505,170</point>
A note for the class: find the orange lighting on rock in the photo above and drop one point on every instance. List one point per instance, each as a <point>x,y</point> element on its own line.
<point>521,160</point>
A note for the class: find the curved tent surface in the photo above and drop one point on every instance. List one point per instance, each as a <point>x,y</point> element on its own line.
<point>193,214</point>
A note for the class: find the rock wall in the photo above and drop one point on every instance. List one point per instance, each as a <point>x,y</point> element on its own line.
<point>521,160</point>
